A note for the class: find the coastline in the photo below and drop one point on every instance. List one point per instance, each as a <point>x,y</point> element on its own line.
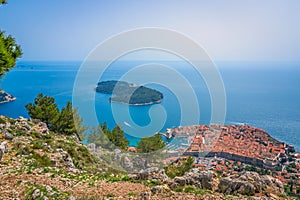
<point>6,97</point>
<point>262,149</point>
<point>137,104</point>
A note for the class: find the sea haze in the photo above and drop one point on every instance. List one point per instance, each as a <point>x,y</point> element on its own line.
<point>265,94</point>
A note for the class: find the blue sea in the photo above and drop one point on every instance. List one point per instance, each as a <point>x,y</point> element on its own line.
<point>262,94</point>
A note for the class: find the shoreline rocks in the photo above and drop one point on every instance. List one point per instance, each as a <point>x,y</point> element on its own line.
<point>5,97</point>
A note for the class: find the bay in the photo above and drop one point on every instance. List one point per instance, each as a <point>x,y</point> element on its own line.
<point>262,94</point>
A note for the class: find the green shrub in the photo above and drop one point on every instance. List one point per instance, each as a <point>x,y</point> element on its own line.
<point>131,194</point>
<point>180,169</point>
<point>178,189</point>
<point>37,145</point>
<point>46,170</point>
<point>2,121</point>
<point>20,133</point>
<point>110,195</point>
<point>189,189</point>
<point>151,144</point>
<point>126,178</point>
<point>43,160</point>
<point>200,192</point>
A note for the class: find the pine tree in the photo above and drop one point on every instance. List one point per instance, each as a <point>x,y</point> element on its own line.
<point>67,121</point>
<point>102,136</point>
<point>9,52</point>
<point>45,109</point>
<point>93,137</point>
<point>150,144</point>
<point>80,128</point>
<point>117,138</point>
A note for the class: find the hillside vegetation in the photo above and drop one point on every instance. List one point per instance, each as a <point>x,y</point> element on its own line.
<point>37,163</point>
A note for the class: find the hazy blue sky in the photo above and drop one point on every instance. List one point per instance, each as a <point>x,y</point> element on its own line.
<point>228,30</point>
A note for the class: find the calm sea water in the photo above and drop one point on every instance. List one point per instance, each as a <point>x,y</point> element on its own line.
<point>265,95</point>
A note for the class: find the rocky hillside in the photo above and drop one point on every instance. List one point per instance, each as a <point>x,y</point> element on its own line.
<point>38,164</point>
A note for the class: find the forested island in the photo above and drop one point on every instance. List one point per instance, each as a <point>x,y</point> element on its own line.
<point>129,93</point>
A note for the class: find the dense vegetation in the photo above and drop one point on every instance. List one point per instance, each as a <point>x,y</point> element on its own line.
<point>67,121</point>
<point>9,52</point>
<point>150,144</point>
<point>129,93</point>
<point>179,168</point>
<point>102,136</point>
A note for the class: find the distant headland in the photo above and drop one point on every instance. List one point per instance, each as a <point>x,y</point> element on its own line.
<point>5,97</point>
<point>129,93</point>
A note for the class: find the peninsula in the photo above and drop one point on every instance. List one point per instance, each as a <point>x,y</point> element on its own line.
<point>129,93</point>
<point>5,97</point>
<point>242,143</point>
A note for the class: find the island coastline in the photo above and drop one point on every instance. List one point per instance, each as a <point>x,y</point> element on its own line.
<point>6,97</point>
<point>137,104</point>
<point>129,93</point>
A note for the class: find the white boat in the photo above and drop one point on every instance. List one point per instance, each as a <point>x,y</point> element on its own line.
<point>127,124</point>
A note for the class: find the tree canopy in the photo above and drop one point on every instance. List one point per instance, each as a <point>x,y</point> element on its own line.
<point>66,121</point>
<point>102,136</point>
<point>9,52</point>
<point>180,167</point>
<point>150,144</point>
<point>45,109</point>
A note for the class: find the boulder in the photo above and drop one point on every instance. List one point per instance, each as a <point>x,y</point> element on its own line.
<point>144,196</point>
<point>43,128</point>
<point>180,181</point>
<point>2,149</point>
<point>196,177</point>
<point>131,163</point>
<point>49,188</point>
<point>274,185</point>
<point>36,194</point>
<point>249,183</point>
<point>47,146</point>
<point>158,189</point>
<point>8,136</point>
<point>2,126</point>
<point>22,124</point>
<point>40,127</point>
<point>200,179</point>
<point>117,155</point>
<point>91,147</point>
<point>126,163</point>
<point>138,163</point>
<point>68,162</point>
<point>153,173</point>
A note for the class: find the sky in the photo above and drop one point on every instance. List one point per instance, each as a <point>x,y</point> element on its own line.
<point>251,30</point>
